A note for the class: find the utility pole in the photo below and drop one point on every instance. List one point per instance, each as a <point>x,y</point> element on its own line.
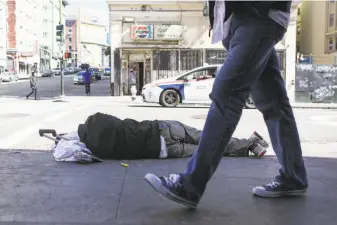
<point>60,39</point>
<point>61,46</point>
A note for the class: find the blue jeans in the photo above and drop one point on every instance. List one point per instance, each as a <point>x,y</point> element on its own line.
<point>251,66</point>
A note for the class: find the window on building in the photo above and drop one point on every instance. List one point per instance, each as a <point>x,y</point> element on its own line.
<point>70,48</point>
<point>335,42</point>
<point>330,44</point>
<point>70,31</point>
<point>70,39</point>
<point>332,1</point>
<point>331,20</point>
<point>298,11</point>
<point>45,35</point>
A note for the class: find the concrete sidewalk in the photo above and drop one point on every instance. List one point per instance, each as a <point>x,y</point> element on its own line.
<point>127,99</point>
<point>37,190</point>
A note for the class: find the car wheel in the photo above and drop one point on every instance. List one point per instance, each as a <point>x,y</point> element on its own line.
<point>170,98</point>
<point>250,103</point>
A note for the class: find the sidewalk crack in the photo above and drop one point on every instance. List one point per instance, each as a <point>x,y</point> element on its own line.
<point>121,193</point>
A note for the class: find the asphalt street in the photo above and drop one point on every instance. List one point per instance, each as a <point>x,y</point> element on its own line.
<point>50,87</point>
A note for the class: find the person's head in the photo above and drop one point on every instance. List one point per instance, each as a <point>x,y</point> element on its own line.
<point>131,70</point>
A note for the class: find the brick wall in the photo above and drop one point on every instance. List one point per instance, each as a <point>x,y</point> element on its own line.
<point>11,35</point>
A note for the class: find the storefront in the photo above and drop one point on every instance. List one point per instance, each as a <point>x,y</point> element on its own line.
<point>156,51</point>
<point>163,40</point>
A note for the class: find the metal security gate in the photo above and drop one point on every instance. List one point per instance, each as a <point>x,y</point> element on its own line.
<point>215,56</point>
<point>165,63</point>
<point>168,63</point>
<point>191,59</point>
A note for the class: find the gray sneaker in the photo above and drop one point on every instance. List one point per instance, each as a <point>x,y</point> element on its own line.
<point>276,189</point>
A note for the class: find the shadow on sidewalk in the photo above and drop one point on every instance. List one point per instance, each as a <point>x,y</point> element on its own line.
<point>38,190</point>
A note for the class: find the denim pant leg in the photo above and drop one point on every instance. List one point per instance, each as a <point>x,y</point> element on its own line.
<point>252,41</point>
<point>270,97</point>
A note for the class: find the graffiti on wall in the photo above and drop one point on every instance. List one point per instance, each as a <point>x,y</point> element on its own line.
<point>316,83</point>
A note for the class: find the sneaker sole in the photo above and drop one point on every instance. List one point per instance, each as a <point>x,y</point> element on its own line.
<point>270,194</point>
<point>156,184</point>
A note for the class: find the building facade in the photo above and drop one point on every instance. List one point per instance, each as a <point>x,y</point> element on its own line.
<point>3,35</point>
<point>71,39</point>
<point>317,31</point>
<point>164,39</point>
<point>91,36</point>
<point>31,35</point>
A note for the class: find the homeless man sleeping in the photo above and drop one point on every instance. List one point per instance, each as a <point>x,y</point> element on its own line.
<point>109,137</point>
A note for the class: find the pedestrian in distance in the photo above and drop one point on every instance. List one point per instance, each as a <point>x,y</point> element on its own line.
<point>33,86</point>
<point>132,81</point>
<point>249,30</point>
<point>87,81</point>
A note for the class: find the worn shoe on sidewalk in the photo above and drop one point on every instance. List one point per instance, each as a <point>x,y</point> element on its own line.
<point>258,145</point>
<point>172,188</point>
<point>257,149</point>
<point>276,189</point>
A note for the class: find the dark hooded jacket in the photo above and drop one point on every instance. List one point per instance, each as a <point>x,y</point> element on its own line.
<point>112,138</point>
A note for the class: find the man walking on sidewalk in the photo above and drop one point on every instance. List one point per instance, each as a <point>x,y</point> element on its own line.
<point>250,32</point>
<point>87,81</point>
<point>33,86</point>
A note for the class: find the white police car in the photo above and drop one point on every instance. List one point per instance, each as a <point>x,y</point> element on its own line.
<point>192,87</point>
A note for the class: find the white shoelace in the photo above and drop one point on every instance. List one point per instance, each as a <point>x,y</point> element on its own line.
<point>173,180</point>
<point>273,184</point>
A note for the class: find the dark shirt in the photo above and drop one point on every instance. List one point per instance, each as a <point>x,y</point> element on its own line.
<point>87,77</point>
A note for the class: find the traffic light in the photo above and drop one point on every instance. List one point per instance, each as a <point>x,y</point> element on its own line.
<point>59,32</point>
<point>67,55</point>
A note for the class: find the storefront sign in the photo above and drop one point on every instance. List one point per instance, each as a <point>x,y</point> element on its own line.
<point>168,32</point>
<point>142,32</point>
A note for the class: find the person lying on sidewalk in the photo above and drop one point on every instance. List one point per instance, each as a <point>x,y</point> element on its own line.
<point>109,137</point>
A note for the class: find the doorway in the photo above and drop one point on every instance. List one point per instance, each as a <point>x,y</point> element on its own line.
<point>138,68</point>
<point>141,77</point>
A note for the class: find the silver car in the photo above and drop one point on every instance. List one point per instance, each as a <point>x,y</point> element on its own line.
<point>9,77</point>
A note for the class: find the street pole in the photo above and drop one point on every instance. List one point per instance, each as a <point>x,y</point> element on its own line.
<point>61,48</point>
